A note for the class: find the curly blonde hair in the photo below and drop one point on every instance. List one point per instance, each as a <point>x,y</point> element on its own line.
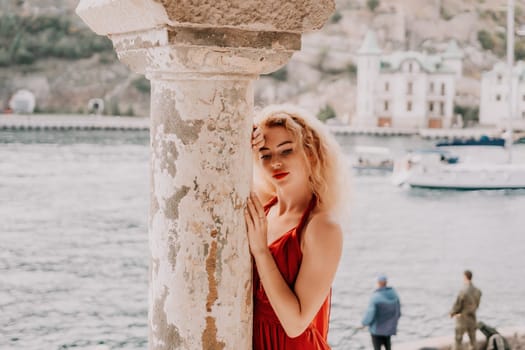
<point>320,149</point>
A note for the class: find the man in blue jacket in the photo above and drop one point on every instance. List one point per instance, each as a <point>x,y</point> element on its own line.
<point>382,314</point>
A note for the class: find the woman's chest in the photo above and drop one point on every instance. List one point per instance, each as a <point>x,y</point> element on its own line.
<point>280,226</point>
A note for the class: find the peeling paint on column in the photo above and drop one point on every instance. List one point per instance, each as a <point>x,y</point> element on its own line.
<point>248,296</point>
<point>154,203</point>
<point>187,131</point>
<point>161,329</point>
<point>209,336</point>
<point>197,233</point>
<point>211,266</point>
<point>172,203</point>
<point>173,249</point>
<point>164,151</point>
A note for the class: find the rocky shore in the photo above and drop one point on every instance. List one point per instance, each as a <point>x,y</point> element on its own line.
<point>516,342</point>
<point>514,335</point>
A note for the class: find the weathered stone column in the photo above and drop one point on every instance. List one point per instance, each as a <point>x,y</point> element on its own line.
<point>202,60</point>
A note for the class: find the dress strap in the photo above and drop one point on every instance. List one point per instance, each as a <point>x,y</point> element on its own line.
<point>305,216</point>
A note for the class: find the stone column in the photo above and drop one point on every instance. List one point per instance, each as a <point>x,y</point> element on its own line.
<point>202,61</point>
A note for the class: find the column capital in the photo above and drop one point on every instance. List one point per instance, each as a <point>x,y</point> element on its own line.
<point>195,40</point>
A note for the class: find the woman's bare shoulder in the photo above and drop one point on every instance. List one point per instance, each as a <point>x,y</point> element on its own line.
<point>323,227</point>
<point>323,219</point>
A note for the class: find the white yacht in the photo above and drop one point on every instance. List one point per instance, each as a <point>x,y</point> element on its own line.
<point>444,169</point>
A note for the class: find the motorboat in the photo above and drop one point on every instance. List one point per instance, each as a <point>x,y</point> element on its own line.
<point>442,169</point>
<point>372,158</point>
<point>484,149</point>
<point>482,141</point>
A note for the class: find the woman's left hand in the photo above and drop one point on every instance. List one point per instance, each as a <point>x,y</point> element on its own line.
<point>256,225</point>
<point>257,138</point>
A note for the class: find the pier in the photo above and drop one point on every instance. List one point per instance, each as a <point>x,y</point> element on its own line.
<point>98,122</point>
<point>71,122</point>
<point>373,131</point>
<point>422,132</point>
<point>469,133</point>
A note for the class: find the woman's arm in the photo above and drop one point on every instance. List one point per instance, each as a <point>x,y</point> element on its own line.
<point>321,245</point>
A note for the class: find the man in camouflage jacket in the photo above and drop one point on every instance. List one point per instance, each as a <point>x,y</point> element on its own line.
<point>464,311</point>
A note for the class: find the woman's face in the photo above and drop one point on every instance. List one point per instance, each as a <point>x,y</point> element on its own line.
<point>282,158</point>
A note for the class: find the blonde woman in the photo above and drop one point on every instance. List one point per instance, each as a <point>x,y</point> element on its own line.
<point>294,238</point>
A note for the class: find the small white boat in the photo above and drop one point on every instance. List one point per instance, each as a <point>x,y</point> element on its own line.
<point>443,170</point>
<point>371,158</point>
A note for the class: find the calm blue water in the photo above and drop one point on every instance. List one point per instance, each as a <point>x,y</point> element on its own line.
<point>74,255</point>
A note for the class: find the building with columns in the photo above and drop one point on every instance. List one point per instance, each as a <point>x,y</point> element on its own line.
<point>406,89</point>
<point>494,108</point>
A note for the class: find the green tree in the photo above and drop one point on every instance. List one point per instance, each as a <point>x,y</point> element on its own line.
<point>336,17</point>
<point>486,40</point>
<point>115,109</point>
<point>372,4</point>
<point>30,38</point>
<point>5,60</point>
<point>519,50</point>
<point>325,113</point>
<point>23,56</point>
<point>351,69</point>
<point>130,111</point>
<point>280,74</point>
<point>444,13</point>
<point>470,114</point>
<point>142,84</point>
<point>107,58</point>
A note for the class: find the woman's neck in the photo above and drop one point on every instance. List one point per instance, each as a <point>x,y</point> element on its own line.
<point>292,201</point>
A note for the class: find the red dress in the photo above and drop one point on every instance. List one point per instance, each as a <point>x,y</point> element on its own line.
<point>268,333</point>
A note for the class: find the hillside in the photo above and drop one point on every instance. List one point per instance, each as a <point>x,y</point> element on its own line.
<point>47,49</point>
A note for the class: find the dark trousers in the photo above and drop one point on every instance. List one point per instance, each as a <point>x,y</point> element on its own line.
<point>379,340</point>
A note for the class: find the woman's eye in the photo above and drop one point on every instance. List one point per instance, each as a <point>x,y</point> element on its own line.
<point>287,151</point>
<point>265,156</point>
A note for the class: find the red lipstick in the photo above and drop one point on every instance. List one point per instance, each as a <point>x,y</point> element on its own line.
<point>280,175</point>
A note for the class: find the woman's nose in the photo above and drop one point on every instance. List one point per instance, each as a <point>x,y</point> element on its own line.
<point>276,164</point>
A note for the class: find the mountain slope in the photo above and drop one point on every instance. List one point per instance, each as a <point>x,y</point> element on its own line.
<point>322,74</point>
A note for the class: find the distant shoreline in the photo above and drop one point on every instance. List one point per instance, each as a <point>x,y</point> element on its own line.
<point>422,132</point>
<point>71,122</point>
<point>100,122</point>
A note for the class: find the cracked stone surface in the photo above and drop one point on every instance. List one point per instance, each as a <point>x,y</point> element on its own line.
<point>197,233</point>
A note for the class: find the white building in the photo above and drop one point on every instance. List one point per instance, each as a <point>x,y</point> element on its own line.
<point>494,108</point>
<point>406,89</point>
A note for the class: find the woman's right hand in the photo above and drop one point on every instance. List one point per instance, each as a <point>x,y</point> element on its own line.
<point>257,138</point>
<point>256,225</point>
